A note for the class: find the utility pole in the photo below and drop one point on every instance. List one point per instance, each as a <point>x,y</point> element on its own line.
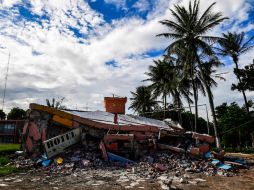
<point>6,78</point>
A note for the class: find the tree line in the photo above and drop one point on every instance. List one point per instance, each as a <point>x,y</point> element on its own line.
<point>189,65</point>
<point>15,113</point>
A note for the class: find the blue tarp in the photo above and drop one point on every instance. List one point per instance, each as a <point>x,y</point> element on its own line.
<point>225,166</point>
<point>221,165</point>
<point>208,155</point>
<point>215,162</point>
<point>114,157</point>
<point>45,163</point>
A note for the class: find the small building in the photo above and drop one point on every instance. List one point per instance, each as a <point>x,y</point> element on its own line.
<point>10,131</point>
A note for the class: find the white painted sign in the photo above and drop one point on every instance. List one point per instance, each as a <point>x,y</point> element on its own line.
<point>57,144</point>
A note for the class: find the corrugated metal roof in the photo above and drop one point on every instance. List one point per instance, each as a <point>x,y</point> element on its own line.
<point>106,117</point>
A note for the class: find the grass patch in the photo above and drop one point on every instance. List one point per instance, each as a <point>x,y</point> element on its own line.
<point>4,160</point>
<point>6,149</point>
<point>236,150</point>
<point>9,148</point>
<point>7,170</point>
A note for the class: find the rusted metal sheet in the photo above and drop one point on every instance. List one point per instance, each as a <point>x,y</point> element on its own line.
<point>113,137</point>
<point>203,137</point>
<point>115,104</point>
<point>104,152</point>
<point>57,144</point>
<point>172,148</point>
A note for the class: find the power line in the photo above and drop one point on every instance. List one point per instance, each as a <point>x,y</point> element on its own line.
<point>242,125</point>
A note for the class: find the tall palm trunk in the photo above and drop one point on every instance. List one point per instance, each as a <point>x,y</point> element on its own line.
<point>243,91</point>
<point>189,104</point>
<point>191,123</point>
<point>196,104</point>
<point>210,98</point>
<point>165,104</point>
<point>215,124</point>
<point>178,102</point>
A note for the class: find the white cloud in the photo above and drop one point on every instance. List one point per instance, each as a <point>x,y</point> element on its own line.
<point>8,3</point>
<point>142,5</point>
<point>120,4</point>
<point>64,67</point>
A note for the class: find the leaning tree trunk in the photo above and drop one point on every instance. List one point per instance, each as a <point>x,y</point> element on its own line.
<point>178,102</point>
<point>210,98</point>
<point>243,91</point>
<point>196,104</point>
<point>165,104</point>
<point>215,125</point>
<point>189,104</point>
<point>191,123</point>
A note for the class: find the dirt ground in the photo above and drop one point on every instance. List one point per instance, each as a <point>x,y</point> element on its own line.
<point>244,181</point>
<point>101,179</point>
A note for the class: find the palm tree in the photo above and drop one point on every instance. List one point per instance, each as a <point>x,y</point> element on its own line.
<point>208,80</point>
<point>188,29</point>
<point>162,80</point>
<point>234,45</point>
<point>57,104</point>
<point>182,85</point>
<point>142,100</point>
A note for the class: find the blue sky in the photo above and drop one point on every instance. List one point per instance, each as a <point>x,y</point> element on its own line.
<point>84,50</point>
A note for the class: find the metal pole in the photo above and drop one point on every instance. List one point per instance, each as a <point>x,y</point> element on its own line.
<point>6,78</point>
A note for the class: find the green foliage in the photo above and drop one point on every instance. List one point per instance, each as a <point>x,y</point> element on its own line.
<point>56,103</point>
<point>16,114</point>
<point>2,115</point>
<point>142,100</point>
<point>234,45</point>
<point>162,78</point>
<point>235,126</point>
<point>236,150</point>
<point>189,29</point>
<point>186,118</point>
<point>246,76</point>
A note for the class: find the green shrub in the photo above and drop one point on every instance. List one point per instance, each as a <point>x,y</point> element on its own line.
<point>4,160</point>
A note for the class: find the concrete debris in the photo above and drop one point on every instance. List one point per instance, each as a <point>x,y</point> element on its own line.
<point>168,169</point>
<point>3,185</point>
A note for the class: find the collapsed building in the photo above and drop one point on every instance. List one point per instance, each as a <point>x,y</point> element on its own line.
<point>84,146</point>
<point>50,131</point>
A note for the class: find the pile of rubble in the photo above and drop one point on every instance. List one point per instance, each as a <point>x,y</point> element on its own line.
<point>166,168</point>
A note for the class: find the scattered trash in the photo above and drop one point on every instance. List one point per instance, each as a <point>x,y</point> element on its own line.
<point>46,163</point>
<point>19,152</point>
<point>59,160</point>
